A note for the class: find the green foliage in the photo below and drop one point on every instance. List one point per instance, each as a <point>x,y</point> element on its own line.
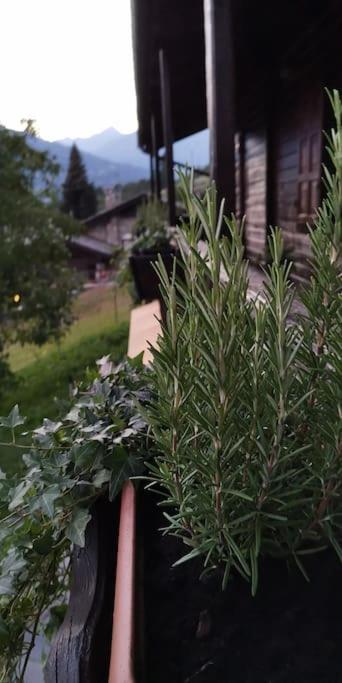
<point>79,196</point>
<point>151,235</point>
<point>69,464</point>
<point>43,387</point>
<point>247,405</point>
<point>36,284</point>
<point>151,228</point>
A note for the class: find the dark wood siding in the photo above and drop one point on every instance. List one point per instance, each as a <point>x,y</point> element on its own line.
<point>285,176</point>
<point>255,195</point>
<point>297,170</point>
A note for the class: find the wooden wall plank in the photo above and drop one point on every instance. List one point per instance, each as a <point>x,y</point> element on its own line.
<point>255,193</point>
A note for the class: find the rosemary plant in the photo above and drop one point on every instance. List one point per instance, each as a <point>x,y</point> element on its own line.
<point>247,404</point>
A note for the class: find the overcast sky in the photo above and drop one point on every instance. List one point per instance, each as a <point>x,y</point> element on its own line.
<point>68,64</point>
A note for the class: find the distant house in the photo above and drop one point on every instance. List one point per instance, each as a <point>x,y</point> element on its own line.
<point>91,252</point>
<point>114,225</point>
<point>90,256</point>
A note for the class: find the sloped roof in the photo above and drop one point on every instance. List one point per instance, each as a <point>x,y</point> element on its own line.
<point>177,27</point>
<point>271,40</point>
<point>122,208</point>
<point>93,245</point>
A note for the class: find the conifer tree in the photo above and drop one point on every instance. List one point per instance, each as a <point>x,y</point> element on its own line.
<point>79,196</point>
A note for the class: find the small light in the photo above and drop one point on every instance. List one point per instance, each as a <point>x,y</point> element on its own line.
<point>16,298</point>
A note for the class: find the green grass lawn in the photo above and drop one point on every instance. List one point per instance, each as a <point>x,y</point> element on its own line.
<point>43,377</point>
<point>94,312</point>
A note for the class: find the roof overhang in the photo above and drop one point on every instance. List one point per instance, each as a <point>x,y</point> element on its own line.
<point>177,27</point>
<point>92,245</point>
<point>271,40</point>
<point>122,209</point>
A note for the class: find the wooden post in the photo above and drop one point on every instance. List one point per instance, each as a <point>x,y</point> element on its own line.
<point>152,183</point>
<point>155,155</point>
<point>242,163</point>
<point>80,651</point>
<point>271,114</point>
<point>220,84</point>
<point>158,178</point>
<point>167,133</point>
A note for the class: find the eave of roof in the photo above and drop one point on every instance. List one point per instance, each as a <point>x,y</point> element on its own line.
<point>270,38</point>
<point>176,27</point>
<point>116,210</point>
<point>93,245</point>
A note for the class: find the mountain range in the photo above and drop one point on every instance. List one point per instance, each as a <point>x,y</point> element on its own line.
<point>111,157</point>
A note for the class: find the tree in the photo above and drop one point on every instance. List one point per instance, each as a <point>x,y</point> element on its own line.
<point>36,282</point>
<point>79,196</point>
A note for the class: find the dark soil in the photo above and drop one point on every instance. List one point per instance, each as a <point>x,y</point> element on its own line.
<point>291,632</point>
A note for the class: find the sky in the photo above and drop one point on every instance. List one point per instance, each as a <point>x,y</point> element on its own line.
<point>67,64</point>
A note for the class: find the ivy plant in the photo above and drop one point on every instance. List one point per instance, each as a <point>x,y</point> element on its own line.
<point>88,453</point>
<point>246,408</point>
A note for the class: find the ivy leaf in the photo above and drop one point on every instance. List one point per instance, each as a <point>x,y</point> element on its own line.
<point>32,458</point>
<point>4,632</point>
<point>101,478</point>
<point>11,566</point>
<point>48,427</point>
<point>105,366</point>
<point>43,544</point>
<point>6,587</point>
<point>73,414</point>
<point>83,455</point>
<point>75,531</point>
<point>13,562</point>
<point>125,434</point>
<point>125,467</point>
<point>137,361</point>
<point>13,420</point>
<point>47,500</point>
<point>102,435</point>
<point>19,493</point>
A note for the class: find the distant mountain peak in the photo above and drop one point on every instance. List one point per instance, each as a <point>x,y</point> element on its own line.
<point>116,147</point>
<point>107,135</point>
<point>102,172</point>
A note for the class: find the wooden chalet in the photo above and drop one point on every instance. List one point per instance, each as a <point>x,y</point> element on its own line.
<point>114,225</point>
<point>89,255</point>
<point>92,252</point>
<point>254,73</point>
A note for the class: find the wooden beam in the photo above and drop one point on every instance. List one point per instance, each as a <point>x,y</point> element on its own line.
<point>220,85</point>
<point>242,173</point>
<point>167,133</point>
<point>152,184</point>
<point>155,157</point>
<point>272,105</point>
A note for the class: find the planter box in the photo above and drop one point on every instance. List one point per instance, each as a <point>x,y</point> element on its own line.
<point>145,278</point>
<point>172,627</point>
<point>195,633</point>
